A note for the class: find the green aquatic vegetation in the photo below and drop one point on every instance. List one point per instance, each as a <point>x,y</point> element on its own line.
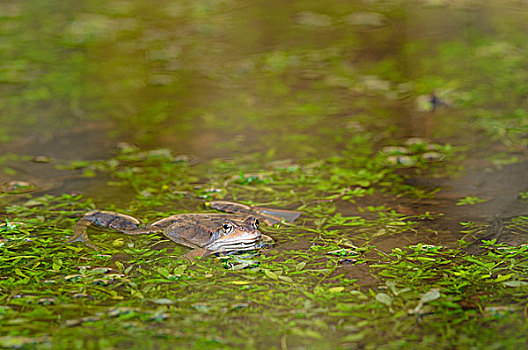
<point>502,159</point>
<point>462,279</point>
<point>307,295</point>
<point>523,195</point>
<point>304,294</point>
<point>159,177</point>
<point>311,290</point>
<point>517,224</point>
<point>470,200</point>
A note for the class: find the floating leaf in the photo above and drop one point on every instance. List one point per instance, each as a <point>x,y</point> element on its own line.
<point>16,342</point>
<point>470,200</point>
<point>285,279</point>
<point>300,266</point>
<point>163,271</point>
<point>119,265</point>
<point>57,263</point>
<point>313,334</point>
<point>74,248</point>
<point>384,298</point>
<point>202,307</point>
<point>238,306</point>
<point>162,301</point>
<point>118,242</point>
<point>353,337</point>
<point>319,222</point>
<point>502,278</point>
<point>179,270</point>
<point>20,273</point>
<point>344,252</point>
<point>271,274</point>
<point>515,283</point>
<point>500,309</point>
<point>431,295</point>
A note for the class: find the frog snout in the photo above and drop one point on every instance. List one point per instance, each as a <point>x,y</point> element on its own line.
<point>254,233</point>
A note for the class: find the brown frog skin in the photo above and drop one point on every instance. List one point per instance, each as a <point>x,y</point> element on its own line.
<point>205,233</point>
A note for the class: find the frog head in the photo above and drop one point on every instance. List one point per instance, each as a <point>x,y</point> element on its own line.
<point>234,235</point>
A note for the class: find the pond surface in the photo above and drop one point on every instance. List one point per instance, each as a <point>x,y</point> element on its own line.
<point>398,128</point>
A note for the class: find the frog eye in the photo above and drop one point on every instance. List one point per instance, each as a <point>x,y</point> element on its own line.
<point>256,224</point>
<point>227,228</point>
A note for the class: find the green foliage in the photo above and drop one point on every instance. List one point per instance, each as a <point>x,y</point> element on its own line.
<point>470,200</point>
<point>523,195</point>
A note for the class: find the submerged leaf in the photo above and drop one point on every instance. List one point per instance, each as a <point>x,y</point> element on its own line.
<point>162,301</point>
<point>384,298</point>
<point>431,295</point>
<point>515,283</point>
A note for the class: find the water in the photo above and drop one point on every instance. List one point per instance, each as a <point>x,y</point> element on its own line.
<point>300,97</point>
<point>223,79</point>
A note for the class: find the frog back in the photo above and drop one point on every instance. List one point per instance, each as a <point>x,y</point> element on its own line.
<point>192,230</point>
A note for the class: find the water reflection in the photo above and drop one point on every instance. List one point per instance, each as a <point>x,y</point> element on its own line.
<point>223,78</point>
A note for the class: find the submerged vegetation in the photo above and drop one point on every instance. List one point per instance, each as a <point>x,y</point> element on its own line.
<point>358,115</point>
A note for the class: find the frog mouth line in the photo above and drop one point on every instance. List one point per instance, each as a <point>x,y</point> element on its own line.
<point>248,244</point>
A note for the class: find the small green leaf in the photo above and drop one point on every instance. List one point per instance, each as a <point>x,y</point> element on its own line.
<point>313,334</point>
<point>163,271</point>
<point>384,298</point>
<point>431,295</point>
<point>502,278</point>
<point>162,301</point>
<point>470,200</point>
<point>319,222</point>
<point>353,337</point>
<point>179,270</point>
<point>515,284</point>
<point>57,263</point>
<point>20,273</point>
<point>119,265</point>
<point>74,248</point>
<point>285,279</point>
<point>336,289</point>
<point>118,242</point>
<point>300,266</point>
<point>271,274</point>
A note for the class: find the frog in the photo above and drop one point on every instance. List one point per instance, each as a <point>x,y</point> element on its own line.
<point>204,233</point>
